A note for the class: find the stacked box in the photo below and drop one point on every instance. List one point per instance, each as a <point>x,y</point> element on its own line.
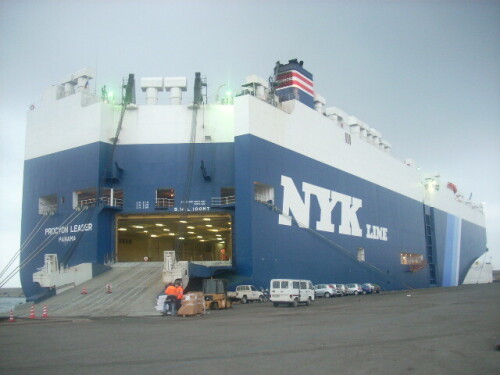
<point>192,304</point>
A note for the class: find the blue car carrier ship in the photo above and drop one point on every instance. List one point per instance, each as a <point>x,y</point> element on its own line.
<point>270,183</point>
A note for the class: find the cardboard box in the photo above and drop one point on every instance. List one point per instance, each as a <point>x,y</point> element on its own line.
<point>192,304</point>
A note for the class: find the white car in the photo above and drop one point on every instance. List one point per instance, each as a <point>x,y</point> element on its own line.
<point>291,292</point>
<point>246,293</point>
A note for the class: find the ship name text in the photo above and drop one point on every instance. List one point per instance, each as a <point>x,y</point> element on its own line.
<point>68,229</point>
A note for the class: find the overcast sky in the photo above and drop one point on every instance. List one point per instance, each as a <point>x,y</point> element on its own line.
<point>426,74</point>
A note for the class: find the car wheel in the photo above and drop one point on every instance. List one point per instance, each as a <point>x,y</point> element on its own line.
<point>275,304</point>
<point>356,293</point>
<point>327,295</point>
<point>214,306</point>
<point>244,299</point>
<point>295,302</point>
<point>364,291</point>
<point>309,300</point>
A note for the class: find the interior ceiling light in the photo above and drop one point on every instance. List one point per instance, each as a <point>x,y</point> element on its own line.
<point>159,224</point>
<point>209,225</point>
<point>206,219</point>
<point>181,238</point>
<point>183,221</point>
<point>171,234</point>
<point>222,242</point>
<point>122,229</point>
<point>190,232</point>
<point>138,226</point>
<point>214,230</point>
<point>166,230</point>
<point>218,235</point>
<point>145,231</point>
<point>199,236</point>
<point>202,240</point>
<point>154,235</point>
<point>190,227</point>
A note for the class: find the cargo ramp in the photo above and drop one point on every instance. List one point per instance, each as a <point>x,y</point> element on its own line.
<point>133,288</point>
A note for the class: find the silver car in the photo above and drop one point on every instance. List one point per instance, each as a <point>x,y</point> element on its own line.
<point>339,288</point>
<point>354,289</point>
<point>342,289</point>
<point>324,290</point>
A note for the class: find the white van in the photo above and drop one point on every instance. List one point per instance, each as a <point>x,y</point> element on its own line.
<point>291,292</point>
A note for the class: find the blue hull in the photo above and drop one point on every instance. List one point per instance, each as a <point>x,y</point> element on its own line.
<point>263,248</point>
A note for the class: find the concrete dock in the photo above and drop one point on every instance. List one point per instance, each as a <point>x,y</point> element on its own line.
<point>444,331</point>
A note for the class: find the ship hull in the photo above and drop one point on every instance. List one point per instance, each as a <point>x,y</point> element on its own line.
<point>267,243</point>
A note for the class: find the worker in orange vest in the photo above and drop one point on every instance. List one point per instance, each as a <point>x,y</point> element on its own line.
<point>179,292</point>
<point>169,307</point>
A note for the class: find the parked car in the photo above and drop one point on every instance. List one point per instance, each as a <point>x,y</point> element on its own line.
<point>354,289</point>
<point>338,291</point>
<point>325,290</point>
<point>291,292</point>
<point>342,288</point>
<point>246,293</point>
<point>371,288</point>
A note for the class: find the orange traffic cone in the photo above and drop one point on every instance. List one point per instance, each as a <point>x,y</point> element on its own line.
<point>11,317</point>
<point>84,290</point>
<point>108,288</point>
<point>45,314</point>
<point>32,313</point>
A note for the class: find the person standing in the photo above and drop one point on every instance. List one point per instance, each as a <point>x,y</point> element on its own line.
<point>170,301</point>
<point>179,292</point>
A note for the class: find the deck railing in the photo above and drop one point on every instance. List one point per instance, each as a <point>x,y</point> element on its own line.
<point>223,201</point>
<point>115,202</point>
<point>165,202</point>
<point>49,209</point>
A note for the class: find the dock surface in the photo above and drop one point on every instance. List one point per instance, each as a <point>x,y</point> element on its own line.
<point>444,331</point>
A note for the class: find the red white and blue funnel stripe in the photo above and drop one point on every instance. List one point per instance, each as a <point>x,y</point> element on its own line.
<point>294,82</point>
<point>294,78</point>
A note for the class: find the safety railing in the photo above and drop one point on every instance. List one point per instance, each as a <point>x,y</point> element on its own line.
<point>115,202</point>
<point>165,202</point>
<point>418,266</point>
<point>86,202</point>
<point>107,201</point>
<point>263,198</point>
<point>223,201</point>
<point>49,209</point>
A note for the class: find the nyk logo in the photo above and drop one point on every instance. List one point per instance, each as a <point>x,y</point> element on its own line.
<point>293,205</point>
